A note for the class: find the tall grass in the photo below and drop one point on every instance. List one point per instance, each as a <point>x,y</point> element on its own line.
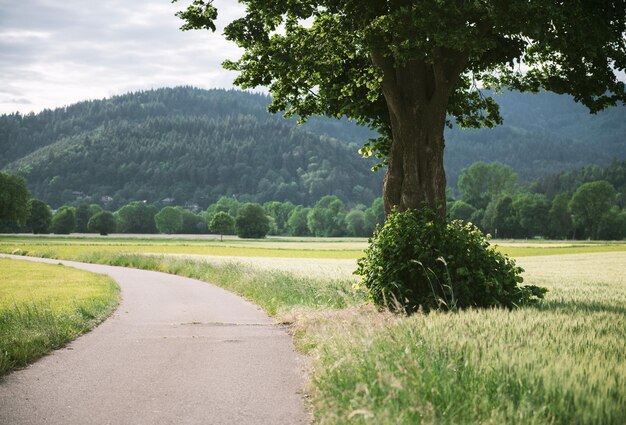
<point>561,362</point>
<point>276,292</point>
<point>43,307</point>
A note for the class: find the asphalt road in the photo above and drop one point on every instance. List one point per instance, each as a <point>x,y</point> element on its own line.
<point>176,351</point>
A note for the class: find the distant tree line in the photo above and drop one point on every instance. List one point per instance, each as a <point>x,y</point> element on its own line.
<point>228,216</point>
<point>584,204</point>
<point>588,203</point>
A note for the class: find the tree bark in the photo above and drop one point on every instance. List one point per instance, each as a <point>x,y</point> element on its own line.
<point>417,95</point>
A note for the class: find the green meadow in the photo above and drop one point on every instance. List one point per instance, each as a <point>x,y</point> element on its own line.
<point>562,361</point>
<point>44,306</point>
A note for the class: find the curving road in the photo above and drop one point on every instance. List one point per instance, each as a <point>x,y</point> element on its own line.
<point>176,351</point>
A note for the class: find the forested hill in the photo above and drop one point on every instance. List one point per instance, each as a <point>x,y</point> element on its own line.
<point>189,145</point>
<point>195,145</point>
<point>542,134</point>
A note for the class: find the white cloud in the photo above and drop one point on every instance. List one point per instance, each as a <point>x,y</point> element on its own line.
<point>56,53</point>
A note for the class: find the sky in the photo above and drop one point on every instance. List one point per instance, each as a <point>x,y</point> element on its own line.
<point>57,52</point>
<point>54,53</point>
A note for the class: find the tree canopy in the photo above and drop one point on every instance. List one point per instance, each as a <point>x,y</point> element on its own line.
<point>14,197</point>
<point>403,67</point>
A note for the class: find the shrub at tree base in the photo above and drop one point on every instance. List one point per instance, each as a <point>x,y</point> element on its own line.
<point>418,261</point>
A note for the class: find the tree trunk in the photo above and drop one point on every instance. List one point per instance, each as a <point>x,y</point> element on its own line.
<point>415,175</point>
<point>417,96</point>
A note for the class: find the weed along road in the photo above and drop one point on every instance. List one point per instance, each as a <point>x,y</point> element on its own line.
<point>176,351</point>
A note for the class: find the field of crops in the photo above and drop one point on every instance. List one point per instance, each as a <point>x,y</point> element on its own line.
<point>275,247</point>
<point>561,362</point>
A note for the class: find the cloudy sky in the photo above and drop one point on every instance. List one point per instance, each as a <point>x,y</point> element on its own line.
<point>54,53</point>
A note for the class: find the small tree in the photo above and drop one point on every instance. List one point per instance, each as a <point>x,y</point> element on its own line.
<point>297,224</point>
<point>355,223</point>
<point>169,220</point>
<point>63,221</point>
<point>222,223</point>
<point>251,221</point>
<point>40,216</point>
<point>532,209</point>
<point>103,223</point>
<point>481,183</point>
<point>279,211</point>
<point>590,203</point>
<point>137,217</point>
<point>327,217</point>
<point>560,217</point>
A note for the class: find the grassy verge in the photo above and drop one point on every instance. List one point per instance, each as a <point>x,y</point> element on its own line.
<point>43,307</point>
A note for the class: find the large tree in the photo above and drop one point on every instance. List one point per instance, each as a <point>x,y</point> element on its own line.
<point>404,67</point>
<point>14,197</point>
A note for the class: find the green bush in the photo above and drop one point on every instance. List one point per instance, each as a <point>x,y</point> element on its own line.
<point>63,221</point>
<point>103,223</point>
<point>416,260</point>
<point>251,222</point>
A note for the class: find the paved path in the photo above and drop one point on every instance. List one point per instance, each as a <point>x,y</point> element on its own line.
<point>177,351</point>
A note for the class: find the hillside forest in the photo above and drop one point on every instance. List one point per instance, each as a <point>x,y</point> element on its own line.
<point>190,147</point>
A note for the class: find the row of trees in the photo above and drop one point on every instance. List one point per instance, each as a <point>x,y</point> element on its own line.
<point>328,217</point>
<point>491,198</point>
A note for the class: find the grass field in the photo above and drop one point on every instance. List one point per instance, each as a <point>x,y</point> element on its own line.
<point>561,362</point>
<point>277,247</point>
<point>43,307</point>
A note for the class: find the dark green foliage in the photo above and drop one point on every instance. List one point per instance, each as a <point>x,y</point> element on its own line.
<point>612,224</point>
<point>193,224</point>
<point>542,133</point>
<point>279,212</point>
<point>327,217</point>
<point>227,204</point>
<point>568,181</point>
<point>355,223</point>
<point>481,182</point>
<point>103,223</point>
<point>137,217</point>
<point>251,222</point>
<point>222,223</point>
<point>63,221</point>
<point>532,210</point>
<point>188,144</point>
<point>39,217</point>
<point>83,215</point>
<point>297,223</point>
<point>560,224</point>
<point>460,210</point>
<point>418,261</point>
<point>500,218</point>
<point>13,198</point>
<point>589,205</point>
<point>374,215</point>
<point>169,220</point>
